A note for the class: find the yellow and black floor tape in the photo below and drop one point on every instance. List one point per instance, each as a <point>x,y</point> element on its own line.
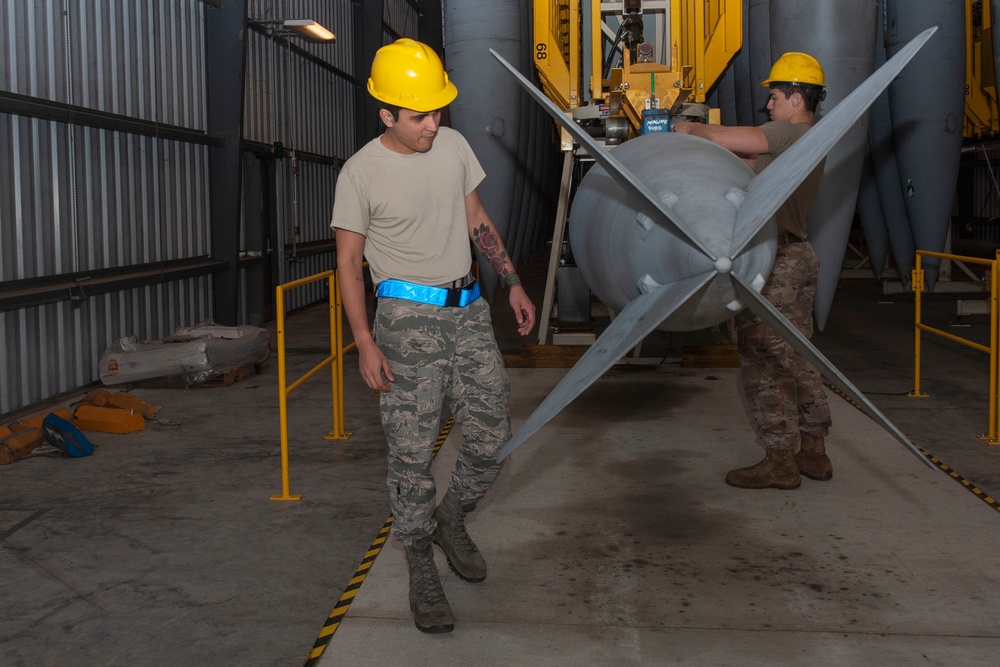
<point>979,493</point>
<point>354,585</point>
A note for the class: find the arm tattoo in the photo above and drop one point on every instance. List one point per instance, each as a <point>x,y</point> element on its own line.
<point>487,243</point>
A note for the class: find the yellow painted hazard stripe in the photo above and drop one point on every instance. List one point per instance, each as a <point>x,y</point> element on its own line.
<point>979,493</point>
<point>354,585</point>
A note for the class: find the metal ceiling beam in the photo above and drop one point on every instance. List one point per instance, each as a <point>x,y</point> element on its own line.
<point>32,292</point>
<point>33,107</point>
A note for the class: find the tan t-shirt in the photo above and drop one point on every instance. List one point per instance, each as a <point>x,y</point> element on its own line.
<point>411,208</point>
<point>792,215</point>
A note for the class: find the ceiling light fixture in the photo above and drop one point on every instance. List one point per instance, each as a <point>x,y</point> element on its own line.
<point>309,30</point>
<point>305,29</point>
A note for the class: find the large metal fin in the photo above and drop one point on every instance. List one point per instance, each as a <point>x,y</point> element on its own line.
<point>768,191</point>
<point>635,322</point>
<point>763,309</point>
<point>643,197</point>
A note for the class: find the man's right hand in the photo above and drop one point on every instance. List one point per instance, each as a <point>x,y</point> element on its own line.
<point>374,367</point>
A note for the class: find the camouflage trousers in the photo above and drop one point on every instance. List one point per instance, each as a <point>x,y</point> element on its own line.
<point>440,354</point>
<point>784,391</point>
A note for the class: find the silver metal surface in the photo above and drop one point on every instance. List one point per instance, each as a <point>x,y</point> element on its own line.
<point>675,271</point>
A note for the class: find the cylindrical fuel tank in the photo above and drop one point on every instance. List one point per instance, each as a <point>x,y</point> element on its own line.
<point>927,104</point>
<point>884,207</point>
<point>488,108</point>
<point>841,35</point>
<point>872,222</point>
<point>760,59</point>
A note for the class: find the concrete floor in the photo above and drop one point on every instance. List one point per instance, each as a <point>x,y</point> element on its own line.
<point>612,542</point>
<point>611,536</point>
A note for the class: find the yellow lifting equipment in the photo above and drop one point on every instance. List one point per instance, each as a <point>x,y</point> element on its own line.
<point>576,41</point>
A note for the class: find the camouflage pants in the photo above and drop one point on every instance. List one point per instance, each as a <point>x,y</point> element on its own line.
<point>784,391</point>
<point>440,354</point>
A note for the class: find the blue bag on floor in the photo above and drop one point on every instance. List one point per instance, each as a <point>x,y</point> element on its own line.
<point>63,435</point>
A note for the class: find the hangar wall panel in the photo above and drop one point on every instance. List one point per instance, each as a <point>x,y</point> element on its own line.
<point>75,199</point>
<point>136,59</point>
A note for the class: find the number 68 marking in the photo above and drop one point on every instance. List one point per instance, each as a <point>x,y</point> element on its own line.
<point>540,52</point>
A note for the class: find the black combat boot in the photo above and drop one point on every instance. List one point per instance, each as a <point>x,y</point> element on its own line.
<point>451,536</point>
<point>431,611</point>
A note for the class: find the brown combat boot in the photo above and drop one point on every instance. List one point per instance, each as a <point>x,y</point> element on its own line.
<point>454,540</point>
<point>431,611</point>
<point>777,471</point>
<point>812,459</point>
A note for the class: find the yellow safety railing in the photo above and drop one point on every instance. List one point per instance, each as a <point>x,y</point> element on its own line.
<point>335,361</point>
<point>918,287</point>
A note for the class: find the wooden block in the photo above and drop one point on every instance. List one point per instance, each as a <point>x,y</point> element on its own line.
<point>222,379</point>
<point>231,375</point>
<point>710,356</point>
<point>545,356</point>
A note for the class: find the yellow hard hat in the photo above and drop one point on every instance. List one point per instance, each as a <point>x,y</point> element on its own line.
<point>795,67</point>
<point>408,74</point>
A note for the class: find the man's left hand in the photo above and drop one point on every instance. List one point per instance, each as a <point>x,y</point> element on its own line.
<point>523,309</point>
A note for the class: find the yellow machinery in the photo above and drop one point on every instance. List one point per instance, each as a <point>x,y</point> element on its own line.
<point>671,52</point>
<point>693,42</point>
<point>981,114</point>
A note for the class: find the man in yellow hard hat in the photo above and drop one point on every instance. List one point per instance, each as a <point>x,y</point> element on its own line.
<point>407,202</point>
<point>784,391</point>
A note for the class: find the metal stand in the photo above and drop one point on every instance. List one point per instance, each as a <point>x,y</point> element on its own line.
<point>558,233</point>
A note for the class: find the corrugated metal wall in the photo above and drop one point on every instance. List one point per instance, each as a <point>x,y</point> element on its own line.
<point>136,59</point>
<point>303,95</point>
<point>400,19</point>
<point>75,198</point>
<point>83,199</point>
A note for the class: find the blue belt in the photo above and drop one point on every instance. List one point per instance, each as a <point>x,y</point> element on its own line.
<point>436,296</point>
